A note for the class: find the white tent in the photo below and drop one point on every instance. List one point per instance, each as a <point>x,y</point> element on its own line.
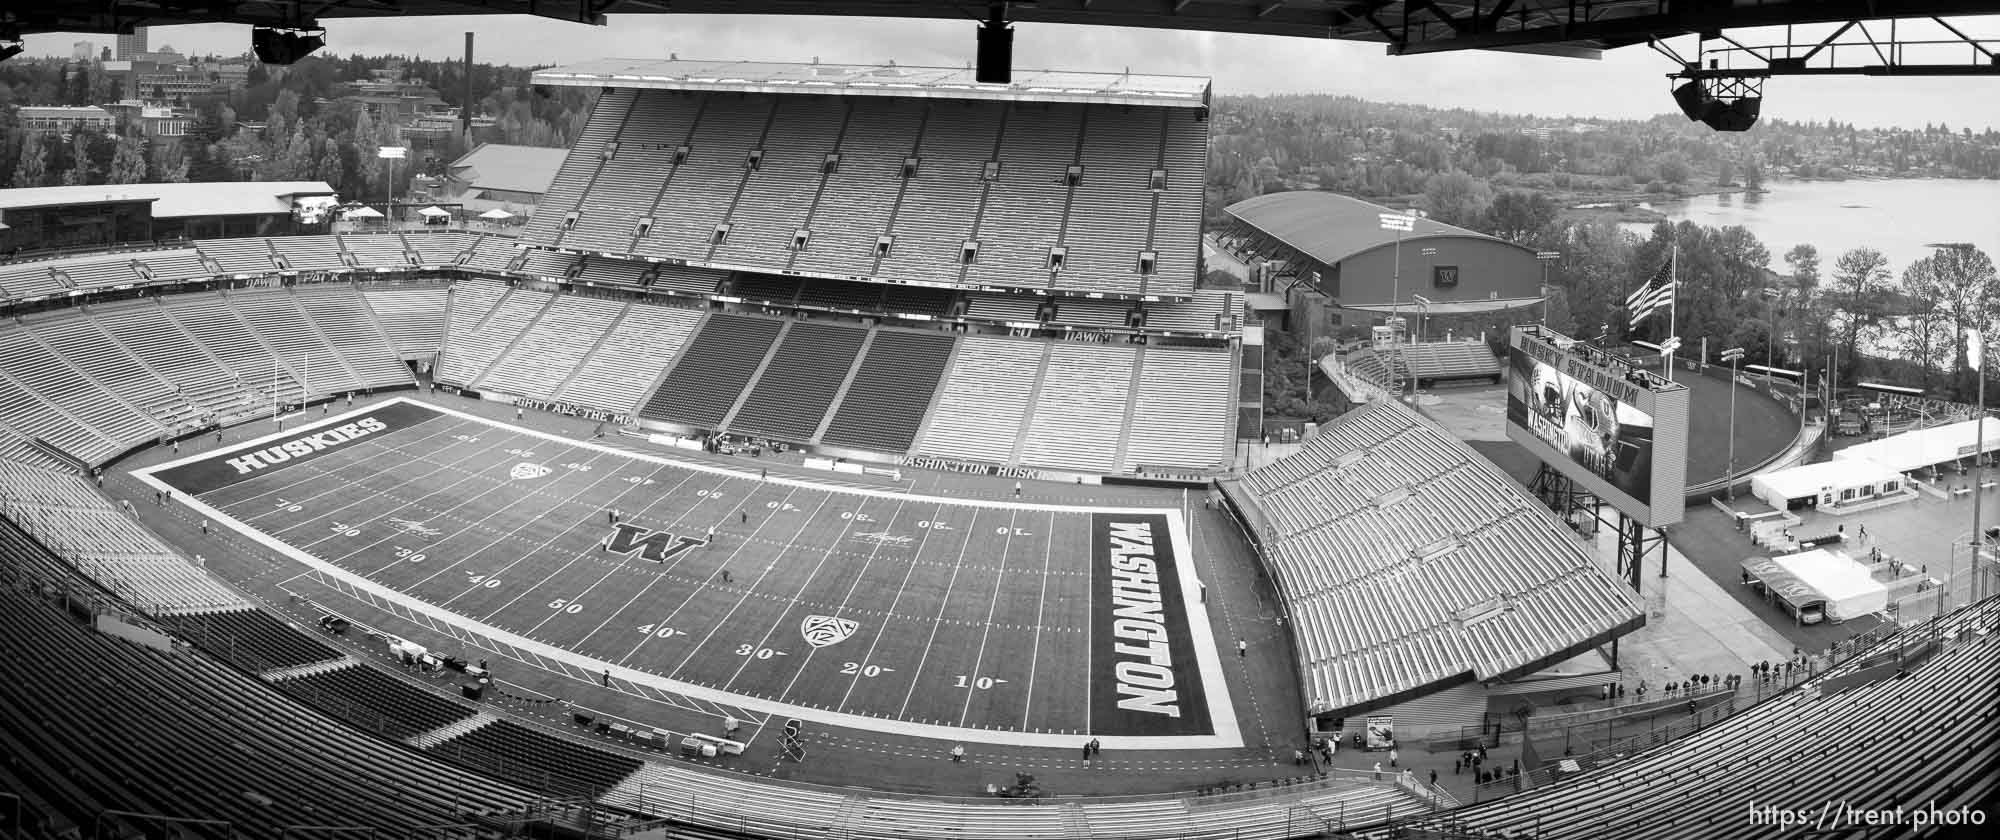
<point>1850,590</point>
<point>364,213</point>
<point>1925,447</point>
<point>496,214</point>
<point>1827,483</point>
<point>434,211</point>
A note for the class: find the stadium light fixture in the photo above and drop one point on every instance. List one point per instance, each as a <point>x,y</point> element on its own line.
<point>1546,257</point>
<point>1401,223</point>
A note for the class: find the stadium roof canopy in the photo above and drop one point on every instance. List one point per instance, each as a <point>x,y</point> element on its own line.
<point>1559,27</point>
<point>175,200</point>
<point>1330,227</point>
<point>495,166</point>
<point>880,80</point>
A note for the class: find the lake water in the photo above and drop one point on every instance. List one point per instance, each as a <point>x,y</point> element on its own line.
<point>1896,217</point>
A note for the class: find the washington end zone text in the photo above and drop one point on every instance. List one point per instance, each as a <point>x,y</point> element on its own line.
<point>1144,676</point>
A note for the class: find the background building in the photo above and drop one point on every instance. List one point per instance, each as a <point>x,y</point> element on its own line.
<point>108,214</point>
<point>1336,245</point>
<point>56,119</point>
<point>130,46</point>
<point>510,178</point>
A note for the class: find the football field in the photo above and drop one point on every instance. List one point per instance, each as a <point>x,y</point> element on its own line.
<point>969,619</point>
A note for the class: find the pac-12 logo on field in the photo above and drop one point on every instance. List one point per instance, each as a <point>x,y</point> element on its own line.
<point>823,630</point>
<point>524,471</point>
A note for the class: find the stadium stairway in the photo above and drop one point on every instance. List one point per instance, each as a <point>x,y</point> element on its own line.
<point>846,384</point>
<point>1028,422</point>
<point>763,365</point>
<point>1132,387</point>
<point>610,329</point>
<point>516,334</point>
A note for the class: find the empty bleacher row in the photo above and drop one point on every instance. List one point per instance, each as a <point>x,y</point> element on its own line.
<point>1044,195</point>
<point>208,258</point>
<point>1065,405</point>
<point>1922,738</point>
<point>1432,361</point>
<point>98,380</point>
<point>1408,561</point>
<point>63,512</point>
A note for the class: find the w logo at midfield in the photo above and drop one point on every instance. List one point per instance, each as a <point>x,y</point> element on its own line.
<point>657,546</point>
<point>823,630</point>
<point>524,471</point>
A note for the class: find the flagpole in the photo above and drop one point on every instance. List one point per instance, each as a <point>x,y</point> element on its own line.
<point>1673,306</point>
<point>1978,475</point>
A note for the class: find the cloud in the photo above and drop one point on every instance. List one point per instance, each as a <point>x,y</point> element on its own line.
<point>1627,84</point>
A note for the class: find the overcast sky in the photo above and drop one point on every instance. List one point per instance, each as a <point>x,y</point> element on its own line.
<point>1627,83</point>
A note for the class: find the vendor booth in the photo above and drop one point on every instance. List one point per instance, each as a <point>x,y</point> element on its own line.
<point>1818,581</point>
<point>1829,484</point>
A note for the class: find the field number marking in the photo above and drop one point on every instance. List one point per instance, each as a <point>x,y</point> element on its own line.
<point>866,670</point>
<point>981,683</point>
<point>760,653</point>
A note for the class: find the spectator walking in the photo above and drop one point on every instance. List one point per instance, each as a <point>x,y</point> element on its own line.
<point>1434,778</point>
<point>1242,648</point>
<point>1378,771</point>
<point>1393,756</point>
<point>957,753</point>
<point>725,576</point>
<point>1096,748</point>
<point>1017,489</point>
<point>1086,751</point>
<point>204,527</point>
<point>606,678</point>
<point>745,516</point>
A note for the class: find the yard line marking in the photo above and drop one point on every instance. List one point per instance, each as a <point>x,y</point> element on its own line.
<point>991,607</point>
<point>566,502</point>
<point>1041,606</point>
<point>810,577</point>
<point>851,586</point>
<point>656,578</point>
<point>753,586</point>
<point>939,618</point>
<point>583,521</point>
<point>440,542</point>
<point>441,467</point>
<point>697,590</point>
<point>908,570</point>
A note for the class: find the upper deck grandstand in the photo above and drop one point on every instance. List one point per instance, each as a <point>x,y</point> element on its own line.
<point>1063,183</point>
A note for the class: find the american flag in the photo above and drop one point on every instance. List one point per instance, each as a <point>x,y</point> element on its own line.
<point>1657,293</point>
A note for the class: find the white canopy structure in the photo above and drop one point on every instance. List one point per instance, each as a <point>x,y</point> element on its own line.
<point>364,213</point>
<point>1851,591</point>
<point>434,211</point>
<point>496,214</point>
<point>1826,484</point>
<point>1925,447</point>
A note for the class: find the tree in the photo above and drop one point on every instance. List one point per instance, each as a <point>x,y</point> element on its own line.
<point>1520,216</point>
<point>1859,298</point>
<point>1924,332</point>
<point>1456,198</point>
<point>128,163</point>
<point>32,168</point>
<point>78,173</point>
<point>1958,281</point>
<point>1725,173</point>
